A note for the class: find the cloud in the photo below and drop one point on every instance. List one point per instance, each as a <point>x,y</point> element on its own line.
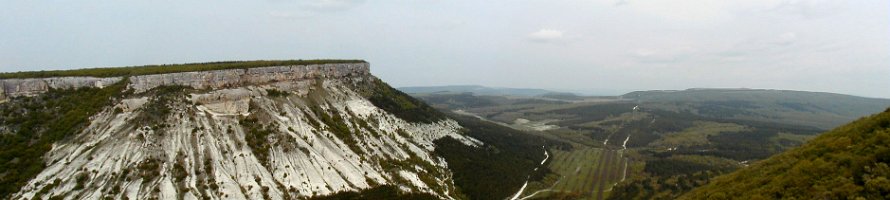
<point>332,5</point>
<point>545,35</point>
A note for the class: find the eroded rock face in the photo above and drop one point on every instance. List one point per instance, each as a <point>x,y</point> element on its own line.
<point>215,79</point>
<point>207,147</point>
<point>237,77</point>
<point>34,86</point>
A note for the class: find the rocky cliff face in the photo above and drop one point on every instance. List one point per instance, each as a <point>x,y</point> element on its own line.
<point>236,77</point>
<point>33,86</point>
<point>264,133</point>
<point>199,80</point>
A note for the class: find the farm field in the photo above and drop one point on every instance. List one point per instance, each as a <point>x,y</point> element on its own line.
<point>655,144</point>
<point>582,173</point>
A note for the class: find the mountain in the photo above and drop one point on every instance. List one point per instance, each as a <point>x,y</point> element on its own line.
<point>849,162</point>
<point>244,130</point>
<point>476,89</point>
<point>817,109</point>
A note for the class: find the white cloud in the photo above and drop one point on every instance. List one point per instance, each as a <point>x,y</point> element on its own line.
<point>545,35</point>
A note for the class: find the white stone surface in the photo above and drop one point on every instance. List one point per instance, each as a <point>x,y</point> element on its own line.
<point>213,151</point>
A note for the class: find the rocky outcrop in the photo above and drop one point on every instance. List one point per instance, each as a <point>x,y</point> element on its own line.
<point>207,148</point>
<point>238,77</point>
<point>215,79</point>
<point>33,86</point>
<point>282,132</point>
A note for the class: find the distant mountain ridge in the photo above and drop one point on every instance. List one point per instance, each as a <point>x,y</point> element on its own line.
<point>476,89</point>
<point>745,103</point>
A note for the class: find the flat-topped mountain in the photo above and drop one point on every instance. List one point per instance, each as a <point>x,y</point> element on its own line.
<point>242,130</point>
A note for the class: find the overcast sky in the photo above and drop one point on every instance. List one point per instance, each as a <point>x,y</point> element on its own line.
<point>581,45</point>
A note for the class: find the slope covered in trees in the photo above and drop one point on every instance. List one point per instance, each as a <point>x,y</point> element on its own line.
<point>849,162</point>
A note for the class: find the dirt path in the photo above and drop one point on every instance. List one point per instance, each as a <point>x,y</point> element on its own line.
<point>546,156</point>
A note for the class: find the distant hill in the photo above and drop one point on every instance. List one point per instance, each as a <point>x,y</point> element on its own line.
<point>561,96</point>
<point>850,162</point>
<point>788,106</point>
<point>476,89</point>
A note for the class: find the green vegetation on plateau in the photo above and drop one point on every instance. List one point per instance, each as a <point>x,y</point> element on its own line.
<point>400,104</point>
<point>172,68</point>
<point>849,162</point>
<point>31,125</point>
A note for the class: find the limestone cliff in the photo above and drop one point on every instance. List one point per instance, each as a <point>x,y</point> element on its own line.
<point>214,79</point>
<point>278,132</point>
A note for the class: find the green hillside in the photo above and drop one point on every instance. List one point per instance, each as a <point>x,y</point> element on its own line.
<point>849,162</point>
<point>172,68</point>
<point>817,109</point>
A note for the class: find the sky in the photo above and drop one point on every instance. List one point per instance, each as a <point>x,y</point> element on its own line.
<point>592,46</point>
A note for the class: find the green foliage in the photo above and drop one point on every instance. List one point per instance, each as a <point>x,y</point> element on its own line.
<point>276,93</point>
<point>499,168</point>
<point>660,187</point>
<point>380,192</point>
<point>161,69</point>
<point>156,110</point>
<point>33,124</point>
<point>81,180</point>
<point>336,125</point>
<point>149,169</point>
<point>671,167</point>
<point>257,137</point>
<point>848,162</point>
<point>401,105</point>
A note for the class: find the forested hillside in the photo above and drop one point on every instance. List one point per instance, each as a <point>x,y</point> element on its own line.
<point>849,162</point>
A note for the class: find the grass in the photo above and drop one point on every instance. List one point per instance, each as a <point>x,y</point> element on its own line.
<point>585,173</point>
<point>162,69</point>
<point>697,134</point>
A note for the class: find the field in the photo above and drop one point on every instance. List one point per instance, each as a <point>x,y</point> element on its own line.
<point>582,173</point>
<point>645,146</point>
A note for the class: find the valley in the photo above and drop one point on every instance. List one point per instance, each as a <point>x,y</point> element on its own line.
<point>328,129</point>
<point>655,145</point>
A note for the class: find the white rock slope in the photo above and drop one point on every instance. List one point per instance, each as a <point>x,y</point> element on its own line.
<point>233,140</point>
